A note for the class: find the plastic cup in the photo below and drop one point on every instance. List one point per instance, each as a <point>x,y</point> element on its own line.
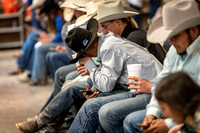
<point>134,70</point>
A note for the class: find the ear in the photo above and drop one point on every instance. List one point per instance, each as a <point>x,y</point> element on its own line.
<point>194,32</point>
<point>118,22</point>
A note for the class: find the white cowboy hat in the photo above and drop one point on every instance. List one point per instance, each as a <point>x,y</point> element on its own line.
<point>112,9</point>
<point>91,8</point>
<point>70,4</point>
<point>36,3</point>
<point>80,3</point>
<point>68,14</point>
<point>177,16</point>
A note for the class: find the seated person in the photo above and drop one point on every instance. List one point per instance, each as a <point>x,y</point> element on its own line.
<point>112,69</point>
<point>180,101</point>
<point>182,56</point>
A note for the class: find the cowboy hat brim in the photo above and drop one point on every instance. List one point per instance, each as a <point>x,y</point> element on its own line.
<point>69,4</point>
<point>159,33</point>
<point>116,16</point>
<point>92,26</point>
<point>68,14</point>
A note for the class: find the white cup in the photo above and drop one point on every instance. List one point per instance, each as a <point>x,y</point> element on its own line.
<point>134,70</point>
<point>74,56</point>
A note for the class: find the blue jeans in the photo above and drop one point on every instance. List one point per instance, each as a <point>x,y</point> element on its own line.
<point>54,60</point>
<point>25,61</point>
<point>39,65</point>
<point>61,103</point>
<point>111,115</point>
<point>132,119</point>
<point>60,77</point>
<point>87,119</point>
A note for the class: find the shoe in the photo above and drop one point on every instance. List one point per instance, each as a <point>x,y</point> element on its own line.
<point>28,126</point>
<point>24,77</point>
<point>16,71</point>
<point>16,55</point>
<point>35,83</point>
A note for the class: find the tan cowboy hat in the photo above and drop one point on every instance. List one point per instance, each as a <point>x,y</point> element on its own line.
<point>91,8</point>
<point>177,16</point>
<point>36,3</point>
<point>112,9</point>
<point>80,3</point>
<point>70,4</point>
<point>68,14</point>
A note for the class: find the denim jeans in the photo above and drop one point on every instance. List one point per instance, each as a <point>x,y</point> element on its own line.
<point>25,61</point>
<point>132,119</point>
<point>111,115</point>
<point>39,71</point>
<point>61,103</point>
<point>60,77</point>
<point>87,119</point>
<point>54,60</point>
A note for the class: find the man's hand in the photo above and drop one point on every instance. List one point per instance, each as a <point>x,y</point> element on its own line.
<point>83,60</point>
<point>95,94</point>
<point>155,125</point>
<point>140,85</point>
<point>82,70</point>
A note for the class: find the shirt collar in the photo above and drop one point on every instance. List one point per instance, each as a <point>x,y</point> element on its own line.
<point>194,47</point>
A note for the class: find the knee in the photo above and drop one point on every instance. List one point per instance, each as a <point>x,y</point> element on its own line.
<point>49,57</point>
<point>59,74</point>
<point>89,106</point>
<point>127,122</point>
<point>105,114</point>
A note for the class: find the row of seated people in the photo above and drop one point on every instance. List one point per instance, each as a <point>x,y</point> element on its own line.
<point>112,107</point>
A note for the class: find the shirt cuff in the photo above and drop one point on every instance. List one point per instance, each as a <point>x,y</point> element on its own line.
<point>170,123</point>
<point>153,111</point>
<point>90,65</point>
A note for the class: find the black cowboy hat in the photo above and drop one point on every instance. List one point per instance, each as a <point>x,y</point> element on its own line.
<point>79,40</point>
<point>48,5</point>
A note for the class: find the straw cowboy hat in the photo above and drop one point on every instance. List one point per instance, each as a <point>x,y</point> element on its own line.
<point>91,8</point>
<point>177,16</point>
<point>112,9</point>
<point>80,3</point>
<point>76,6</point>
<point>36,3</point>
<point>79,40</point>
<point>69,8</point>
<point>68,14</point>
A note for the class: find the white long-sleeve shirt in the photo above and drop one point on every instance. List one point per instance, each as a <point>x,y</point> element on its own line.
<point>114,53</point>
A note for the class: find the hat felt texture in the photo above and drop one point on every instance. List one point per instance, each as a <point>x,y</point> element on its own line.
<point>79,40</point>
<point>111,10</point>
<point>177,15</point>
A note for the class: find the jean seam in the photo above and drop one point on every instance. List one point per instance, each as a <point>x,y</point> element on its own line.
<point>87,119</point>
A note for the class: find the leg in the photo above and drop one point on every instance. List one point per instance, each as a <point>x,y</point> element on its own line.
<point>39,66</point>
<point>87,119</point>
<point>59,105</point>
<point>132,119</point>
<point>54,60</point>
<point>27,50</point>
<point>111,115</point>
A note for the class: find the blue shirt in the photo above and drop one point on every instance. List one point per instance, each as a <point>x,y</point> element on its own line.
<point>59,23</point>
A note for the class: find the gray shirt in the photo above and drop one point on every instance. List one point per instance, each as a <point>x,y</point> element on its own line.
<point>114,53</point>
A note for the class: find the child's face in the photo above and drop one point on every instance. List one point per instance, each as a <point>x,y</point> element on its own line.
<point>168,112</point>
